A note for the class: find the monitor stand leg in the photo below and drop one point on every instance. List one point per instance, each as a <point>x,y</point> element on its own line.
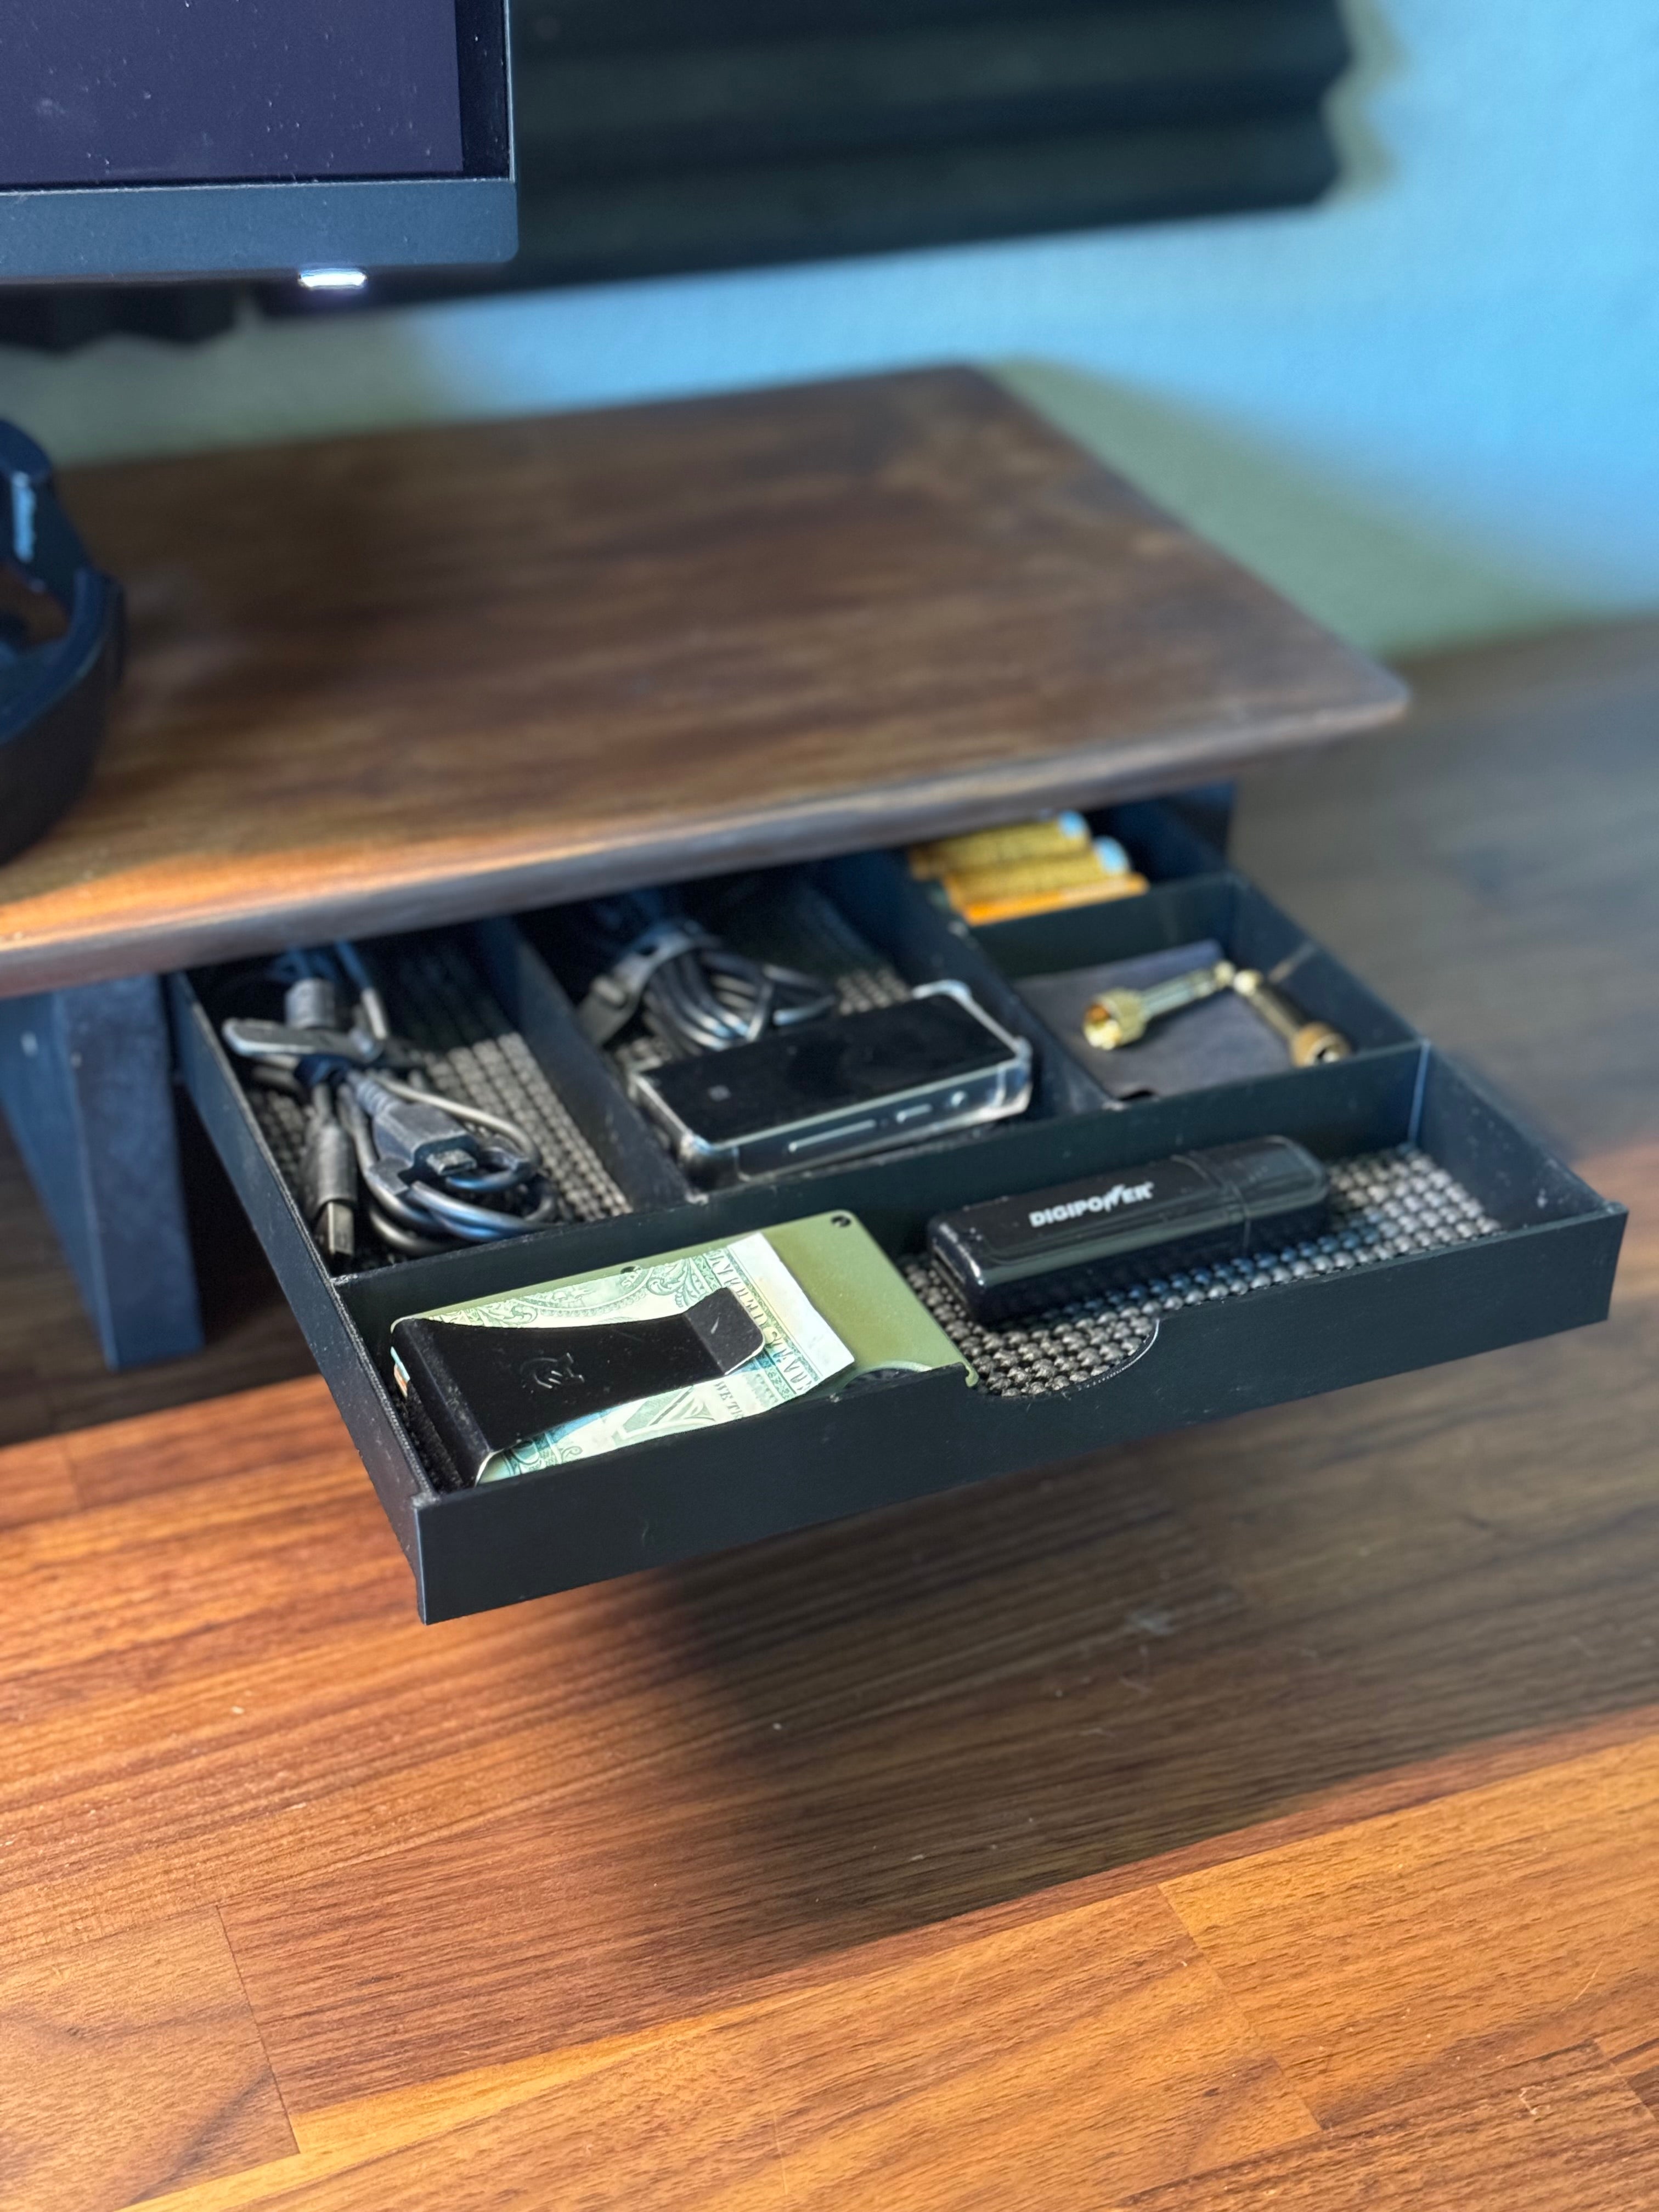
<point>85,1082</point>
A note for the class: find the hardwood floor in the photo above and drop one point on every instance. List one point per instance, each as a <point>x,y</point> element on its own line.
<point>1264,1816</point>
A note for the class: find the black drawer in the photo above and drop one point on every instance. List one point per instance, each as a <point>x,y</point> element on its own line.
<point>1458,1231</point>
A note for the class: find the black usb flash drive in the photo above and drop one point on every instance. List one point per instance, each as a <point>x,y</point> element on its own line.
<point>1013,1255</point>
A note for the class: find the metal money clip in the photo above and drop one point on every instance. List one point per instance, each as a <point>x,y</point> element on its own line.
<point>483,1391</point>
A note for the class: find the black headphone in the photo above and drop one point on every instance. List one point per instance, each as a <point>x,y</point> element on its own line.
<point>53,697</point>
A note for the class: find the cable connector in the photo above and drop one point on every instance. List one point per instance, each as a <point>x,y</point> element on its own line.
<point>424,1138</point>
<point>328,1186</point>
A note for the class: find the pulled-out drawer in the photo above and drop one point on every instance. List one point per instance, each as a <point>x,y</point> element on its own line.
<point>1453,1230</point>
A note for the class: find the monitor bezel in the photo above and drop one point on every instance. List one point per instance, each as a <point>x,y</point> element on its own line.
<point>162,232</point>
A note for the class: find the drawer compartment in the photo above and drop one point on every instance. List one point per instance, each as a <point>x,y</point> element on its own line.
<point>1220,911</point>
<point>1452,1232</point>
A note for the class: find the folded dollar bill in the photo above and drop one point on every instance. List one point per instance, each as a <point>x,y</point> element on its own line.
<point>798,1348</point>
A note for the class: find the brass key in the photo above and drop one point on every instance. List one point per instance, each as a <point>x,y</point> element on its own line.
<point>1311,1044</point>
<point>1121,1018</point>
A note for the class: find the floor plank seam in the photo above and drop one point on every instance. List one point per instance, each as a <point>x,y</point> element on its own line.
<point>258,2026</point>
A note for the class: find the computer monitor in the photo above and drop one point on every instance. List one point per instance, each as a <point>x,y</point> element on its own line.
<point>166,138</point>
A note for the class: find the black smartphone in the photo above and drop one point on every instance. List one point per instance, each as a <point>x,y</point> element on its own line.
<point>833,1089</point>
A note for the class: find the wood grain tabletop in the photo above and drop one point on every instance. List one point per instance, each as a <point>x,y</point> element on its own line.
<point>1263,1817</point>
<point>384,681</point>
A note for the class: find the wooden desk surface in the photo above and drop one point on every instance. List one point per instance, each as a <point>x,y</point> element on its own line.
<point>392,680</point>
<point>1262,1818</point>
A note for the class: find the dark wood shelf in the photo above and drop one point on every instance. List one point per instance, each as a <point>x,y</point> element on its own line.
<point>417,677</point>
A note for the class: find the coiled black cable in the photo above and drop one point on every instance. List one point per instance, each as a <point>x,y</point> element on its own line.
<point>691,991</point>
<point>707,998</point>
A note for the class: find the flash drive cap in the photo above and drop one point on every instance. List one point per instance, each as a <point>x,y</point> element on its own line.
<point>1273,1177</point>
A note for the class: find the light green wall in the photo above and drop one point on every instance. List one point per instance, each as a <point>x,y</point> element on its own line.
<point>1427,410</point>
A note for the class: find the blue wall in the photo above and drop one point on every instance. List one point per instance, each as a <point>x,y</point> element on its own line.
<point>1428,409</point>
